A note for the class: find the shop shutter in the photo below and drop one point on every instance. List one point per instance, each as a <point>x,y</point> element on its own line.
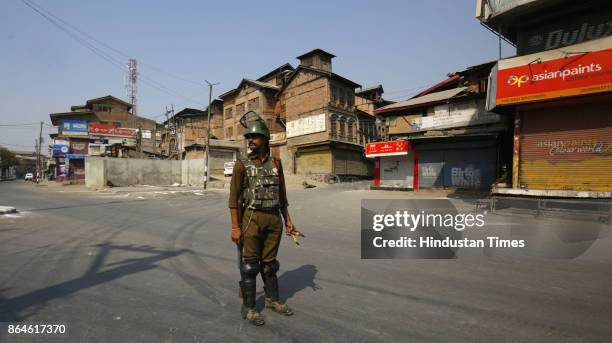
<point>431,163</point>
<point>314,162</point>
<point>470,168</point>
<point>397,171</point>
<point>458,165</point>
<point>567,148</point>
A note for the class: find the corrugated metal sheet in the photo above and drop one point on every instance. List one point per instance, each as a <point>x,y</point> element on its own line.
<point>470,169</point>
<point>314,162</point>
<point>421,100</point>
<point>431,165</point>
<point>567,148</point>
<point>349,162</point>
<point>459,165</point>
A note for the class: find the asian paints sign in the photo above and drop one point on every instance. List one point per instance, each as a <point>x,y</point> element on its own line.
<point>576,74</point>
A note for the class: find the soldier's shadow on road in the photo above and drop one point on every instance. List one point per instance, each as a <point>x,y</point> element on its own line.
<point>26,305</point>
<point>293,281</point>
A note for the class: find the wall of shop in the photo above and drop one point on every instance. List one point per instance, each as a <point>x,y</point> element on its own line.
<point>132,171</point>
<point>397,171</point>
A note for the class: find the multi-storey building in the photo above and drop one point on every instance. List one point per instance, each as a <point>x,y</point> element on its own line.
<point>558,92</point>
<point>102,127</point>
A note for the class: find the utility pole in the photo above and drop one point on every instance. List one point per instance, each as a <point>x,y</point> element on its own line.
<point>139,140</point>
<point>206,161</point>
<point>168,132</point>
<point>38,159</point>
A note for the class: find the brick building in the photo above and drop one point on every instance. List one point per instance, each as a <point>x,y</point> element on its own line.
<point>323,135</point>
<point>258,95</point>
<point>102,127</point>
<point>185,132</point>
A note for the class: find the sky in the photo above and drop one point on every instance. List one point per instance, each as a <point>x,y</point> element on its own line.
<point>404,45</point>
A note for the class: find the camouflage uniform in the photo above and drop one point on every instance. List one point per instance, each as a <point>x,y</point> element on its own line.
<point>261,185</point>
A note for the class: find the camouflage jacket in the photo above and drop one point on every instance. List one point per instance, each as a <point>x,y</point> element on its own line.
<point>262,191</point>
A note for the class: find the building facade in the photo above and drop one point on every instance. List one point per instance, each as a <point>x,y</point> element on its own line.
<point>451,141</point>
<point>558,92</point>
<point>184,135</point>
<point>324,132</point>
<point>102,127</point>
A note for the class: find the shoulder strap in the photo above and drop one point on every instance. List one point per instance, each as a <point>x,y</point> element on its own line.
<point>276,162</point>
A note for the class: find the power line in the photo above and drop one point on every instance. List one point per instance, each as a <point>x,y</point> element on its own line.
<point>122,53</point>
<point>100,53</point>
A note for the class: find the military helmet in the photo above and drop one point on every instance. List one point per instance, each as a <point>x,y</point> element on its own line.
<point>257,127</point>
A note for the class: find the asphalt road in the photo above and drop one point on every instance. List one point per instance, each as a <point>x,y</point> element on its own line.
<point>163,269</point>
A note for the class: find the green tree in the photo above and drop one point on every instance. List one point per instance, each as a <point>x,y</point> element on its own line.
<point>7,158</point>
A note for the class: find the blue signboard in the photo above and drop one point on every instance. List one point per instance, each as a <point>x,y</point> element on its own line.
<point>98,141</point>
<point>75,156</point>
<point>74,127</point>
<point>60,149</point>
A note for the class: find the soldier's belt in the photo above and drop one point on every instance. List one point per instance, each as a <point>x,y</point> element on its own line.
<point>267,209</point>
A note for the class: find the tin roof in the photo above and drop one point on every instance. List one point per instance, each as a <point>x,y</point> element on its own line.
<point>422,100</point>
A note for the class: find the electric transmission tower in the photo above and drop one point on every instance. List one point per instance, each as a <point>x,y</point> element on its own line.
<point>131,85</point>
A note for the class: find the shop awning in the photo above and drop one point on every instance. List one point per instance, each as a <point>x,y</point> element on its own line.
<point>428,99</point>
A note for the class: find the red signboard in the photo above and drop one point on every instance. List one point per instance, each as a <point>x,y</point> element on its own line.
<point>575,74</point>
<point>392,148</point>
<point>110,130</point>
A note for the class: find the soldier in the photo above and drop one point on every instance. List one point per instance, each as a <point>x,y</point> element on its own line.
<point>256,220</point>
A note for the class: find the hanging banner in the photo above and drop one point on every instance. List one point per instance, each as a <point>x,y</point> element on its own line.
<point>111,130</point>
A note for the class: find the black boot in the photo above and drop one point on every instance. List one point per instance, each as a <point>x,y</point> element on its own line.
<point>248,287</point>
<point>272,298</point>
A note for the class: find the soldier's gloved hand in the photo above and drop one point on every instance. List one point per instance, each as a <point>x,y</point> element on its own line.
<point>289,229</point>
<point>236,233</point>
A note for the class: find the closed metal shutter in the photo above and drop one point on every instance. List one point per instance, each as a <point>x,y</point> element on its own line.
<point>431,164</point>
<point>314,162</point>
<point>470,168</point>
<point>567,148</point>
<point>397,171</point>
<point>349,162</point>
<point>458,165</point>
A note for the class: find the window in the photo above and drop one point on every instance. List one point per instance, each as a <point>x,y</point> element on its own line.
<point>350,98</point>
<point>334,94</point>
<point>342,100</point>
<point>102,108</point>
<point>269,123</point>
<point>228,112</point>
<point>342,129</point>
<point>253,103</point>
<point>240,109</point>
<point>349,137</point>
<point>333,125</point>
